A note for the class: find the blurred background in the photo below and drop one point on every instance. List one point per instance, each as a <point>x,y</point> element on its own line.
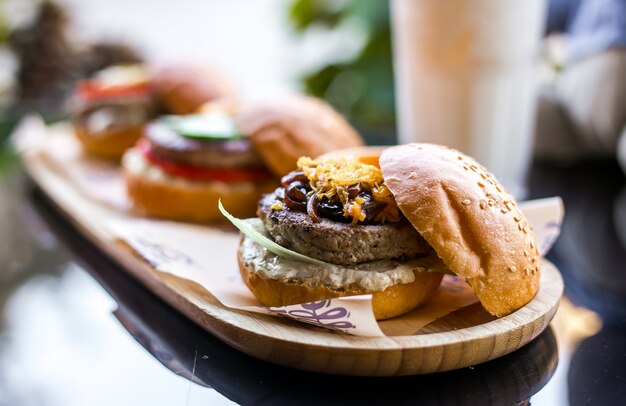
<point>337,50</point>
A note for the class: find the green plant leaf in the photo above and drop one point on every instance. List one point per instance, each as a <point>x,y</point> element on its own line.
<point>249,231</point>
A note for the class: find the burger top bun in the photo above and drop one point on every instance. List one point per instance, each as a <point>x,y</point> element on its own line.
<point>284,130</point>
<point>470,220</point>
<point>368,155</point>
<point>183,88</point>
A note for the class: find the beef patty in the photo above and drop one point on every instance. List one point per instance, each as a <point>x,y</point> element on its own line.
<point>340,243</point>
<point>231,154</point>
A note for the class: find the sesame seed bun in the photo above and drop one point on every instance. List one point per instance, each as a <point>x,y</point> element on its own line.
<point>469,219</point>
<point>391,302</point>
<point>284,130</point>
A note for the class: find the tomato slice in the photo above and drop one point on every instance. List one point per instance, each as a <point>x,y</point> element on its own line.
<point>202,173</point>
<point>92,90</point>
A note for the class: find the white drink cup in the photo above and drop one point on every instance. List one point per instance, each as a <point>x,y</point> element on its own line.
<point>466,77</point>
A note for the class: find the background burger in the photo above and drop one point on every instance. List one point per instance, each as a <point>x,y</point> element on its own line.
<point>110,110</point>
<point>184,164</point>
<point>392,232</point>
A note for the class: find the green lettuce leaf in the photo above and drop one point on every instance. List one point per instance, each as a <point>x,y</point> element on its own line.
<point>214,126</point>
<point>249,231</point>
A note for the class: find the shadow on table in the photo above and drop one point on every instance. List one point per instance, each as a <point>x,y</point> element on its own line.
<point>591,255</point>
<point>186,349</point>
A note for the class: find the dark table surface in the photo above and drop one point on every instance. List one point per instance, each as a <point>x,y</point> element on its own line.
<point>75,329</point>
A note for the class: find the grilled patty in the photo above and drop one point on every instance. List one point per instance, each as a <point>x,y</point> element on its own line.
<point>340,243</point>
<point>169,145</point>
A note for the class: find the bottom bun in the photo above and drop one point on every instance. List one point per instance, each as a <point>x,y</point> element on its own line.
<point>111,145</point>
<point>391,302</point>
<point>193,201</point>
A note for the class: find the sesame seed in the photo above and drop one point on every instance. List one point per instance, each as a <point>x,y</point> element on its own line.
<point>512,269</point>
<point>517,219</point>
<point>490,202</point>
<point>504,211</point>
<point>483,204</point>
<point>527,271</point>
<point>482,175</point>
<point>498,188</point>
<point>525,253</point>
<point>474,167</point>
<point>532,245</point>
<point>467,202</point>
<point>460,158</point>
<point>481,184</point>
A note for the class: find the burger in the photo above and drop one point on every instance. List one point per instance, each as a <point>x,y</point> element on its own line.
<point>110,110</point>
<point>390,230</point>
<point>184,164</point>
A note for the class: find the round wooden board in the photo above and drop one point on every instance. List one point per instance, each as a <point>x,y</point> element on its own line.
<point>466,337</point>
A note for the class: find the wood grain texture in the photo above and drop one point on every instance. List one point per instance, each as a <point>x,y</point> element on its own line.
<point>466,337</point>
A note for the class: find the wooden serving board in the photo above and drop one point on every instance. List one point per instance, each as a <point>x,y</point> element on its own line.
<point>466,337</point>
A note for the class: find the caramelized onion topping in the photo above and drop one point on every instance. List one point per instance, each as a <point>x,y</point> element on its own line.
<point>342,190</point>
<point>311,208</point>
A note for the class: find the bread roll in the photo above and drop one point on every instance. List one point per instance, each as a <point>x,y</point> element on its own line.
<point>284,130</point>
<point>111,145</point>
<point>470,220</point>
<point>185,88</point>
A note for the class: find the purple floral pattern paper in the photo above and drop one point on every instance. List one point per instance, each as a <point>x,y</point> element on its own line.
<point>323,313</point>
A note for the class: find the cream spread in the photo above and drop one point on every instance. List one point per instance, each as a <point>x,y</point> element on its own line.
<point>374,276</point>
<point>135,162</point>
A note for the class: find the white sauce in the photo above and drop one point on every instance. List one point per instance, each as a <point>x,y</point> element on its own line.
<point>135,162</point>
<point>373,276</point>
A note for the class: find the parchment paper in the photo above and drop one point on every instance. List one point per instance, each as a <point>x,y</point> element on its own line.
<point>206,254</point>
